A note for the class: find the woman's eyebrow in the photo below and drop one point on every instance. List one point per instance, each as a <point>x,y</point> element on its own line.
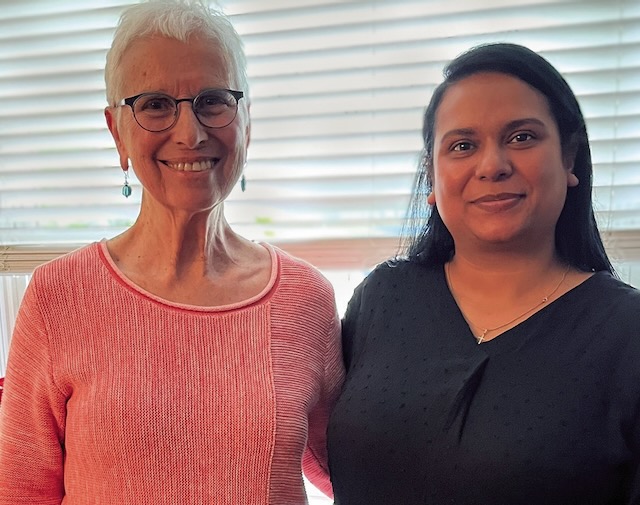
<point>457,132</point>
<point>517,123</point>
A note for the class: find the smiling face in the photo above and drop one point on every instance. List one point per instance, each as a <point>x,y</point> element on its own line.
<point>189,166</point>
<point>499,175</point>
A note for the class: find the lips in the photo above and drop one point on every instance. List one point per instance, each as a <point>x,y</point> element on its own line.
<point>499,197</point>
<point>500,202</point>
<point>192,166</point>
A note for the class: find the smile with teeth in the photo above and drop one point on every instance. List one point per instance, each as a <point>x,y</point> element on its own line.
<point>196,166</point>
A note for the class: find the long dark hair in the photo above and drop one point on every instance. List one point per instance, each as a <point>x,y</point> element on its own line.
<point>578,240</point>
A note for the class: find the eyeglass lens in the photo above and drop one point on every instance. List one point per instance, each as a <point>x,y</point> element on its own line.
<point>157,112</point>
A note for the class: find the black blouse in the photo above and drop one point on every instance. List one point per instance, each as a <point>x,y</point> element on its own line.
<point>547,413</point>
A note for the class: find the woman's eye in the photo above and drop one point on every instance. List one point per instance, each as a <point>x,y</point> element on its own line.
<point>521,137</point>
<point>461,146</point>
<point>156,104</point>
<point>212,101</point>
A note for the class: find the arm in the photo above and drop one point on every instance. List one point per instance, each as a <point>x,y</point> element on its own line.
<point>32,415</point>
<point>625,387</point>
<point>315,460</point>
<point>631,427</point>
<point>349,325</point>
<point>632,435</point>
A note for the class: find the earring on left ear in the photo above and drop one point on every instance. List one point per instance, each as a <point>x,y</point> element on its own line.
<point>126,189</point>
<point>243,183</point>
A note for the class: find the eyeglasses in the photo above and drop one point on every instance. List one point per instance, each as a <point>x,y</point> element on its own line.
<point>157,112</point>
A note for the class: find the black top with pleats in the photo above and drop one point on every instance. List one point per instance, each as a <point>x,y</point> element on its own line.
<point>546,413</point>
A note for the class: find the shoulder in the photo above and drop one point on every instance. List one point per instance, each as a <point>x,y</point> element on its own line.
<point>301,280</point>
<point>399,274</point>
<point>611,311</point>
<point>606,311</point>
<point>620,304</point>
<point>303,298</point>
<point>293,268</point>
<point>394,283</point>
<point>79,261</point>
<point>70,261</point>
<point>69,270</point>
<point>611,293</point>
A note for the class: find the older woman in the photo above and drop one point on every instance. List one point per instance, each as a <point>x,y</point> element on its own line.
<point>177,363</point>
<point>498,362</point>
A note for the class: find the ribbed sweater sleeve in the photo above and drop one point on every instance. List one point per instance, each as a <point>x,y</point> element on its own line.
<point>113,395</point>
<point>32,420</point>
<point>305,306</point>
<point>315,462</point>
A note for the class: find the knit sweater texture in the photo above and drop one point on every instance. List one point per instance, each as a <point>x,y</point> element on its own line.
<point>115,396</point>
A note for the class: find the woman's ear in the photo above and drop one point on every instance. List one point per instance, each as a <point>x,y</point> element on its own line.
<point>112,124</point>
<point>248,127</point>
<point>569,154</point>
<point>431,198</point>
<point>572,180</point>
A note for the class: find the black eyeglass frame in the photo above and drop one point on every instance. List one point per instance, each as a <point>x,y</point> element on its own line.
<point>130,101</point>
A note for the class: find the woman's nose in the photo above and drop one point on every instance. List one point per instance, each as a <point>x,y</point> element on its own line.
<point>494,163</point>
<point>188,130</point>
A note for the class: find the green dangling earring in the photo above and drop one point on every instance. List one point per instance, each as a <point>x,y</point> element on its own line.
<point>243,183</point>
<point>126,189</point>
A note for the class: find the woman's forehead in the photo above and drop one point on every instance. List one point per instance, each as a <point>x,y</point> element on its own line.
<point>487,97</point>
<point>158,63</point>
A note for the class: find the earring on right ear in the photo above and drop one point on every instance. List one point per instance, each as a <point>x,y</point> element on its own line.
<point>126,189</point>
<point>243,183</point>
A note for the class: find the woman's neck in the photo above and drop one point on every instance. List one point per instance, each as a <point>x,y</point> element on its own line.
<point>506,273</point>
<point>178,242</point>
<point>495,293</point>
<point>206,265</point>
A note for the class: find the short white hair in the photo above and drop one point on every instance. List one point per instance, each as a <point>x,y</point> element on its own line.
<point>176,19</point>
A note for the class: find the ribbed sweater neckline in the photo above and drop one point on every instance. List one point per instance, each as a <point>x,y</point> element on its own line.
<point>124,281</point>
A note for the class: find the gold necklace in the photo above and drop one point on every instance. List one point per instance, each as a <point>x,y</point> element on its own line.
<point>482,336</point>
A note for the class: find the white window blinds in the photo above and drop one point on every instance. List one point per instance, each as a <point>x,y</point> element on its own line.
<point>338,89</point>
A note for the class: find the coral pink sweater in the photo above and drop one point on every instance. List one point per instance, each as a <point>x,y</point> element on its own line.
<point>114,396</point>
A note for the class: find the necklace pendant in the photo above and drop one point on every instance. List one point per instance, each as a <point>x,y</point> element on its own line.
<point>484,334</point>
